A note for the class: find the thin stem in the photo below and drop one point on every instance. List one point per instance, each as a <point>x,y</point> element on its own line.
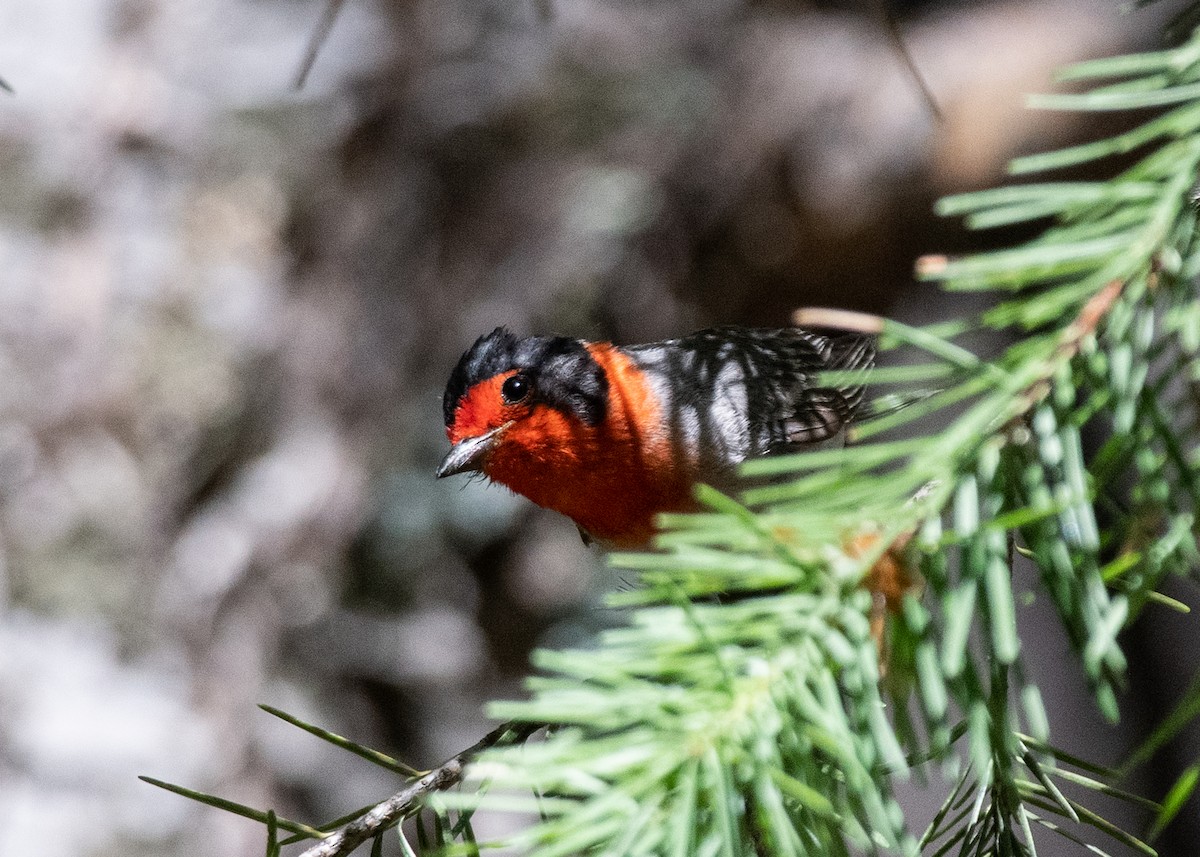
<point>392,811</point>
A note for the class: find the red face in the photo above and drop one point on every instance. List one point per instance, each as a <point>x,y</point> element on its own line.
<point>484,408</point>
<point>487,415</point>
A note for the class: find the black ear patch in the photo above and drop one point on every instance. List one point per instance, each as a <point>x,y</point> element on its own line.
<point>563,374</point>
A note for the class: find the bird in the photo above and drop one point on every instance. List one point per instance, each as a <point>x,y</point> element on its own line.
<point>614,435</point>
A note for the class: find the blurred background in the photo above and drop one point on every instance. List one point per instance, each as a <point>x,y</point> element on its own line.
<point>228,308</point>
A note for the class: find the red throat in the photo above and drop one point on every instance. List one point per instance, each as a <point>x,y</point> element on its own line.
<point>612,478</point>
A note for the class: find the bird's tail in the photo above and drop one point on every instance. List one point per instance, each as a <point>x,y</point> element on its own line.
<point>853,355</point>
<point>890,403</point>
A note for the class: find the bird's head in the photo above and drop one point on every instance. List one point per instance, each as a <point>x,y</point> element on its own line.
<point>516,395</point>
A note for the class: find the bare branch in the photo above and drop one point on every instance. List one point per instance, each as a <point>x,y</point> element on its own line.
<point>838,319</point>
<point>897,39</point>
<point>392,811</point>
<point>324,26</point>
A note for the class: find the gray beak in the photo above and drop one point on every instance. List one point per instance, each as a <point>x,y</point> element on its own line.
<point>468,454</point>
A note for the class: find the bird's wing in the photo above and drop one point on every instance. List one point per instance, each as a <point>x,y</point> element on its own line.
<point>731,393</point>
<point>784,405</point>
<point>821,412</point>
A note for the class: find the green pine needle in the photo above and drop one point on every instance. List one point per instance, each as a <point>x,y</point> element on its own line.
<point>1185,712</point>
<point>373,756</point>
<point>265,817</point>
<point>1179,794</point>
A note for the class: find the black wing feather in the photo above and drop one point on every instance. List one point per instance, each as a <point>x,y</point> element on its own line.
<point>785,406</point>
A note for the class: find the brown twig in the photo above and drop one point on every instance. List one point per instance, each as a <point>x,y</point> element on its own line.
<point>897,39</point>
<point>838,319</point>
<point>1083,325</point>
<point>324,26</point>
<point>392,811</point>
<point>1090,316</point>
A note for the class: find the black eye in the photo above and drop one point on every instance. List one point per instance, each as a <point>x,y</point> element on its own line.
<point>515,389</point>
